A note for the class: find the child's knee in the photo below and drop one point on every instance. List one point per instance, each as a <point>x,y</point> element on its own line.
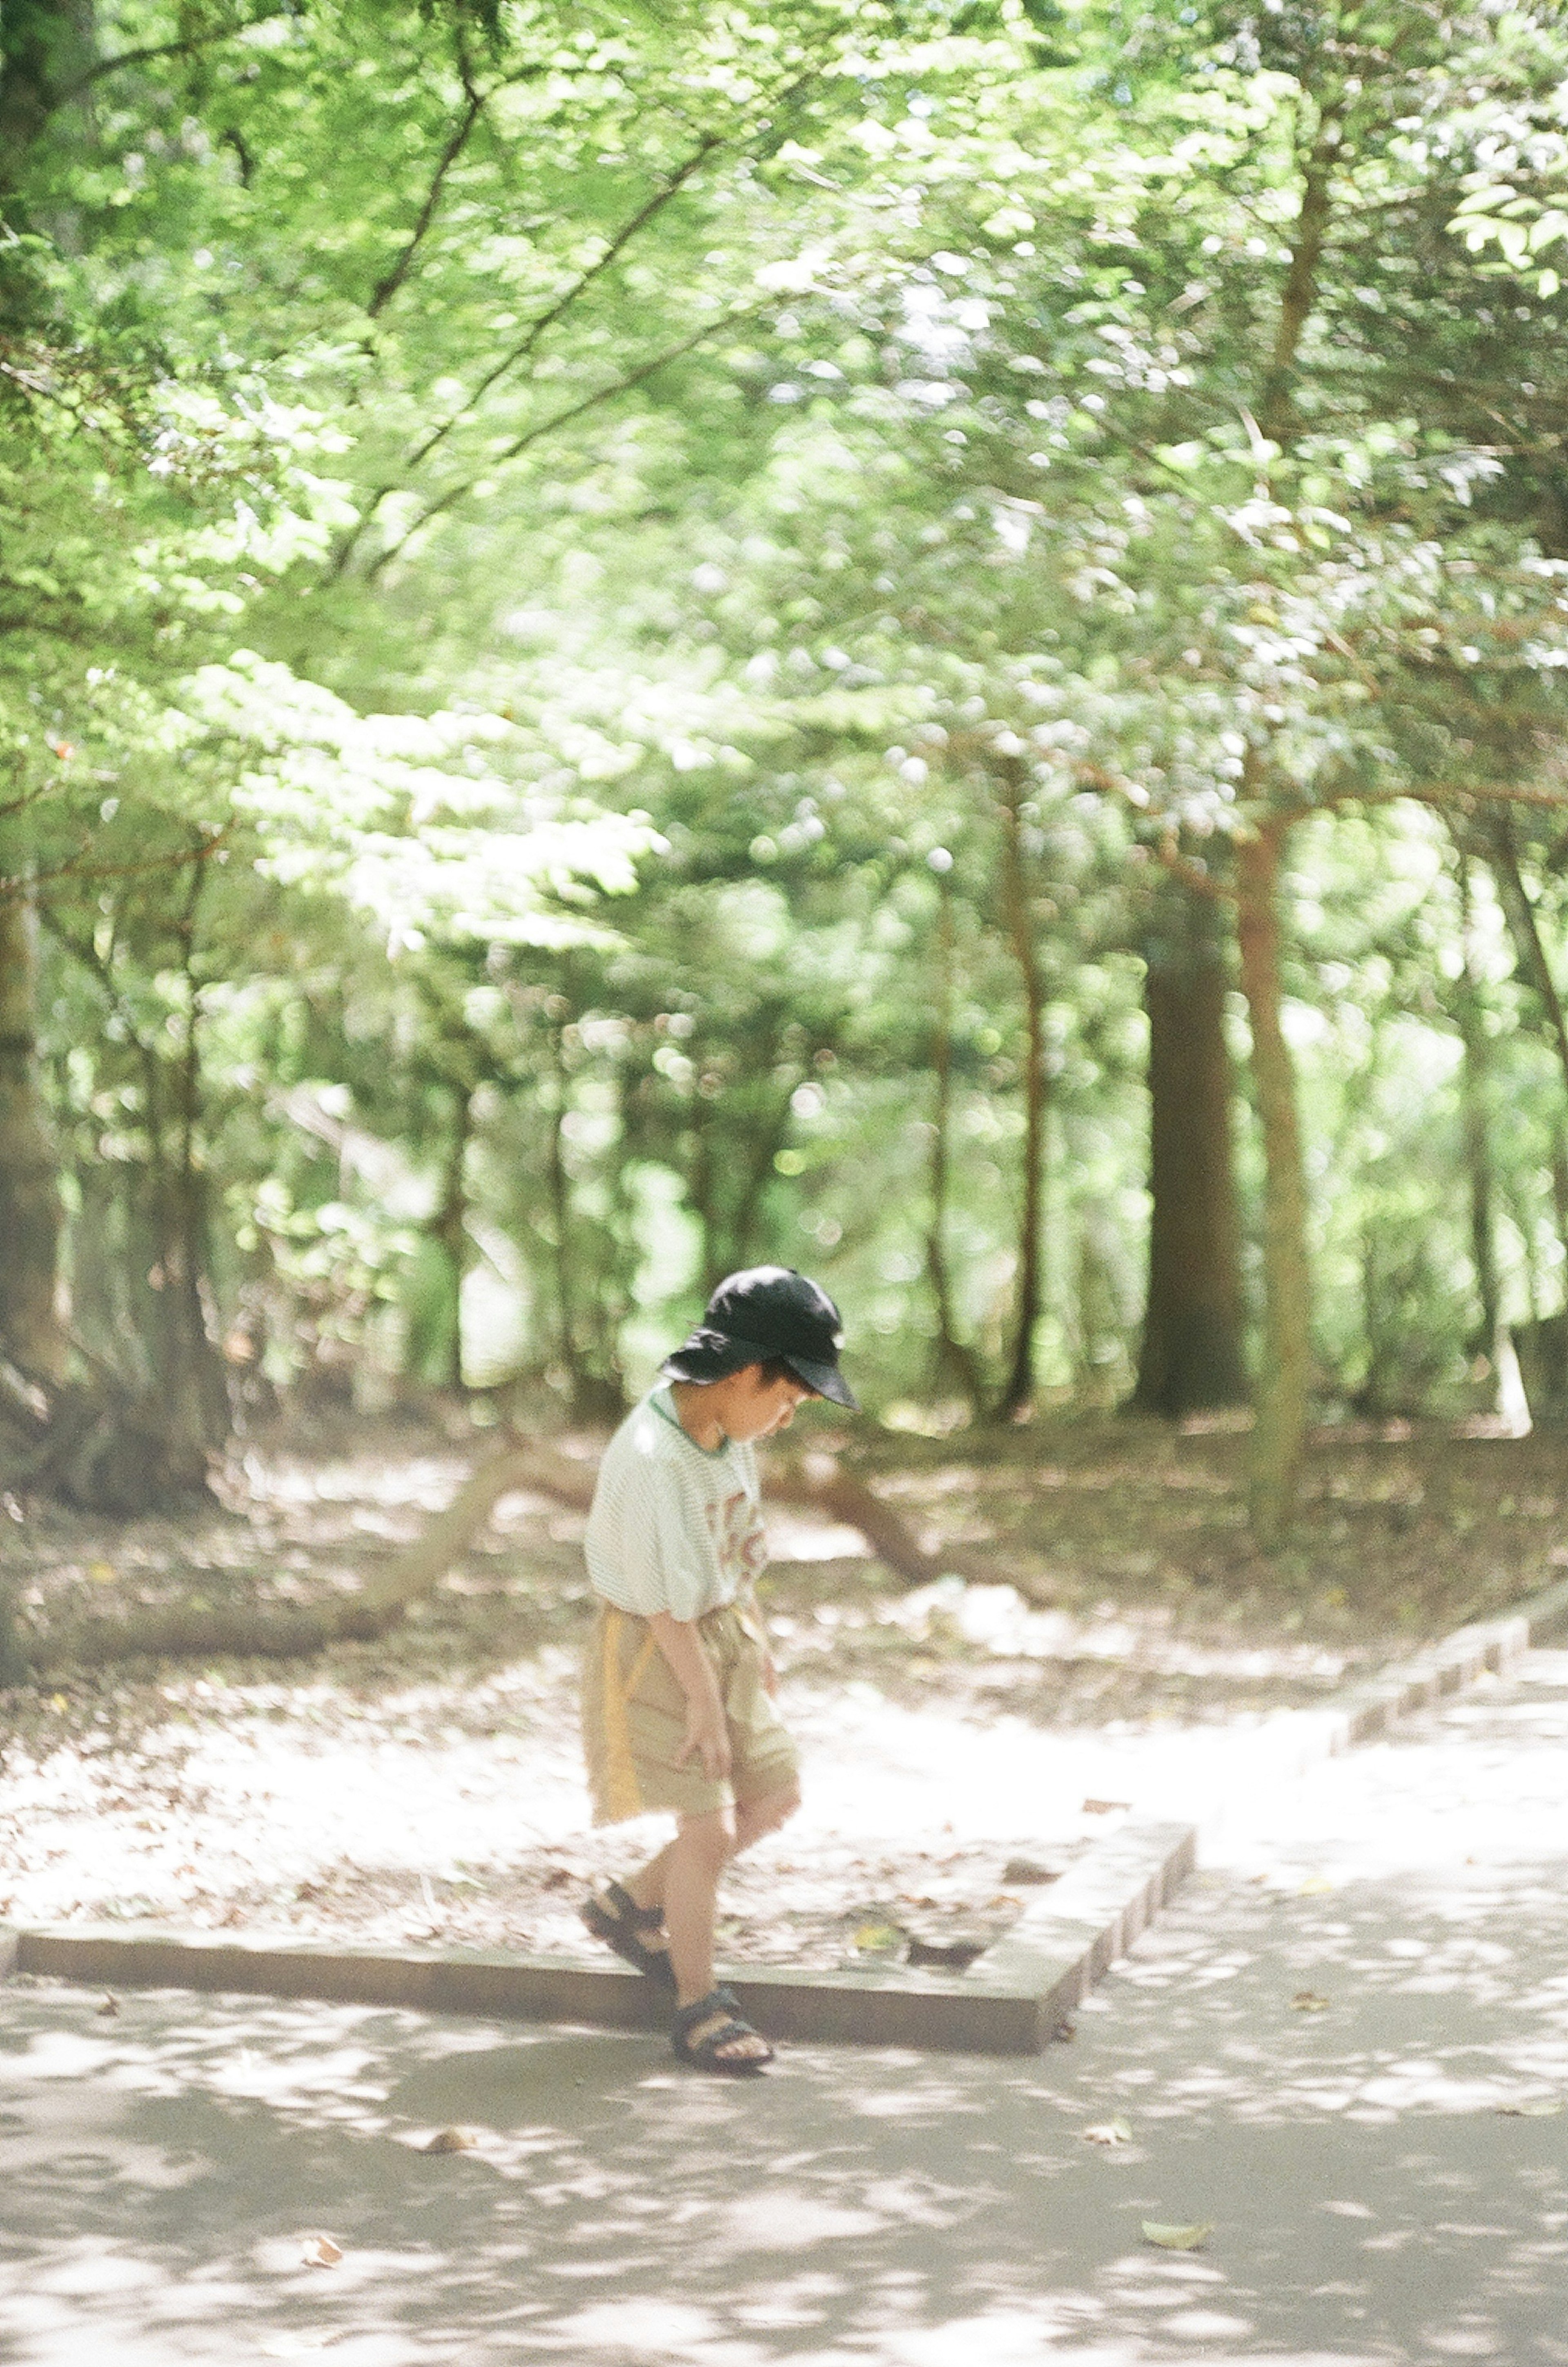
<point>774,1809</point>
<point>710,1838</point>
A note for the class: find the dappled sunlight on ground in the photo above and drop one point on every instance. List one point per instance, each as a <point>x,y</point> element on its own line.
<point>1350,2067</point>
<point>428,1786</point>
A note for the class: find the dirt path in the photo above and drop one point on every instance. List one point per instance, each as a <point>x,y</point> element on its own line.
<point>1383,2172</point>
<point>428,1786</point>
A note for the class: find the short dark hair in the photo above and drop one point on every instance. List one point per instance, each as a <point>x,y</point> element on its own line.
<point>779,1368</point>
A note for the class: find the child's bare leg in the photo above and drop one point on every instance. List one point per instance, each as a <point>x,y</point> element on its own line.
<point>689,1869</point>
<point>754,1819</point>
<point>693,1863</point>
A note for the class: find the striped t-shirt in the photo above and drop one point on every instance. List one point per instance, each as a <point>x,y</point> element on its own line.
<point>674,1527</point>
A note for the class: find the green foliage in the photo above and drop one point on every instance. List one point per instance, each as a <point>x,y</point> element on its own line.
<point>593,597</point>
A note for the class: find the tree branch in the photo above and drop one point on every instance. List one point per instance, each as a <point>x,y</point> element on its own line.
<point>154,50</point>
<point>386,287</point>
<point>558,419</point>
<point>1275,408</point>
<point>547,320</point>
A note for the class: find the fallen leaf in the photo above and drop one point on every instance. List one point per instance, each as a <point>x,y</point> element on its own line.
<point>109,2006</point>
<point>1308,2002</point>
<point>102,1573</point>
<point>1027,1869</point>
<point>58,1701</point>
<point>1178,2240</point>
<point>1108,2132</point>
<point>319,2251</point>
<point>878,1938</point>
<point>451,2141</point>
<point>1536,2108</point>
<point>1104,1807</point>
<point>1314,1886</point>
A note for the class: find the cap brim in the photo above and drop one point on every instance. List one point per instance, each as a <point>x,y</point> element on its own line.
<point>825,1379</point>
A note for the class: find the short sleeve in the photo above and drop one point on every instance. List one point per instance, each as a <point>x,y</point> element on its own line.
<point>641,1554</point>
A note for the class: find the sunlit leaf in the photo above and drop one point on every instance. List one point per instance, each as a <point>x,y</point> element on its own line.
<point>319,2251</point>
<point>1188,2238</point>
<point>878,1938</point>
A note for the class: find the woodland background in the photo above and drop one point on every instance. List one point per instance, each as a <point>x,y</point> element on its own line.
<point>635,639</point>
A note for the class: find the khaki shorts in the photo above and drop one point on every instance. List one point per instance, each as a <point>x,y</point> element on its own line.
<point>633,1720</point>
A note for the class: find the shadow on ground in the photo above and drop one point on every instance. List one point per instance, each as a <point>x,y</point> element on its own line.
<point>1370,2199</point>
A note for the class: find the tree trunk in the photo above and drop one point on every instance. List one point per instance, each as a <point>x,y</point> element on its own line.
<point>560,1210</point>
<point>1192,1352</point>
<point>1530,956</point>
<point>190,1369</point>
<point>1278,1435</point>
<point>32,1334</point>
<point>450,1231</point>
<point>955,1363</point>
<point>45,46</point>
<point>1018,1396</point>
<point>1475,1104</point>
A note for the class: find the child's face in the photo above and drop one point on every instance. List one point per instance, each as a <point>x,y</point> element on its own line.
<point>760,1409</point>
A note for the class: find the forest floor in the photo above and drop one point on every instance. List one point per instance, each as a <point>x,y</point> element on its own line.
<point>961,1740</point>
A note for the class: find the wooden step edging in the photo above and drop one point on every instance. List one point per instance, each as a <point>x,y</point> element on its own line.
<point>1012,2001</point>
<point>1294,1739</point>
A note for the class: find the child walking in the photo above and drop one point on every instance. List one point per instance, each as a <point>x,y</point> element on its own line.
<point>678,1710</point>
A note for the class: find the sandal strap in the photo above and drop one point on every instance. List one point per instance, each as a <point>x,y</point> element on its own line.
<point>718,2000</point>
<point>646,1919</point>
<point>721,2011</point>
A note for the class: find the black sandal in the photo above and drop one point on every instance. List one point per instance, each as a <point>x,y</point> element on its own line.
<point>704,2052</point>
<point>618,1930</point>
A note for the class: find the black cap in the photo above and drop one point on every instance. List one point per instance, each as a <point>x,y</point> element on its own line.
<point>763,1315</point>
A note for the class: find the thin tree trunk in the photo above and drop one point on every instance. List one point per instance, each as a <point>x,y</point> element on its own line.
<point>1475,1098</point>
<point>954,1361</point>
<point>1279,1436</point>
<point>1193,1352</point>
<point>195,1368</point>
<point>1276,408</point>
<point>702,1192</point>
<point>1018,1395</point>
<point>451,1230</point>
<point>756,1164</point>
<point>45,46</point>
<point>560,1210</point>
<point>32,1334</point>
<point>1529,955</point>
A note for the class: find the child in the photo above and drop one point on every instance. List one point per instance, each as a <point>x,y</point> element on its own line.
<point>678,1709</point>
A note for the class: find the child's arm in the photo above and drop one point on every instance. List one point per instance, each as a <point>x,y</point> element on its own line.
<point>706,1733</point>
